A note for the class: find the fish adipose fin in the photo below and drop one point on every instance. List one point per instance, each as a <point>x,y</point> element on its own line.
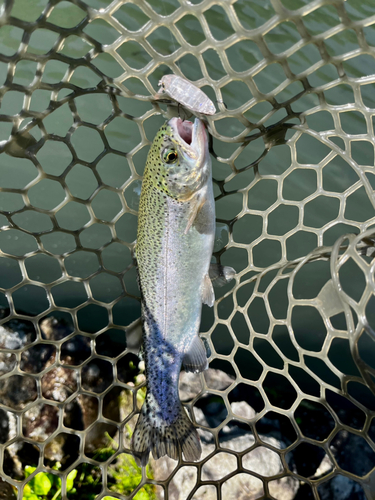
<point>208,294</point>
<point>221,275</point>
<point>161,439</point>
<point>195,360</point>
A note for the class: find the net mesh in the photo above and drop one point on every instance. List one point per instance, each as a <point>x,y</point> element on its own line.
<point>293,167</point>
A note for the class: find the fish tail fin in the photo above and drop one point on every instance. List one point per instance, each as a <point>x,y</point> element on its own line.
<point>162,439</point>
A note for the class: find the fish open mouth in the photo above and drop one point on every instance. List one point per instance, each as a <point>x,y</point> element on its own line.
<point>185,130</point>
<point>192,136</point>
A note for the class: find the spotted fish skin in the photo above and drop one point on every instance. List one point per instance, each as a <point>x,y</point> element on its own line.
<point>176,226</point>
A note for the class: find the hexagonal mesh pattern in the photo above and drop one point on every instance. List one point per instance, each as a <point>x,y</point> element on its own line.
<point>293,166</point>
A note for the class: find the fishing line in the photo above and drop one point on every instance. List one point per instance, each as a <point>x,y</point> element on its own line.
<point>173,40</point>
<point>175,47</point>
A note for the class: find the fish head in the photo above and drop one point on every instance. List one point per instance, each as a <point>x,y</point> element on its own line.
<point>181,159</point>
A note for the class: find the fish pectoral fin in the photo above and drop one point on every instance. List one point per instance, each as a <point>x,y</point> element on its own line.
<point>134,336</point>
<point>208,294</point>
<point>197,206</point>
<point>220,275</point>
<point>195,360</point>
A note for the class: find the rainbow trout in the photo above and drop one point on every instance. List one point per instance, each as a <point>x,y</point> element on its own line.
<point>176,227</point>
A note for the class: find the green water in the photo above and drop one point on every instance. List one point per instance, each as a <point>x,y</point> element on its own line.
<point>106,186</point>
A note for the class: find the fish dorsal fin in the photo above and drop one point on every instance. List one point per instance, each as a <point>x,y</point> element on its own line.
<point>208,294</point>
<point>196,206</point>
<point>195,360</point>
<point>220,275</point>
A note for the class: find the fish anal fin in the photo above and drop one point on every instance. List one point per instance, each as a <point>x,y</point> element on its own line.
<point>208,294</point>
<point>196,207</point>
<point>220,275</point>
<point>195,360</point>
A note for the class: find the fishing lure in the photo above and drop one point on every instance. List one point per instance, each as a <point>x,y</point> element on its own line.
<point>187,94</point>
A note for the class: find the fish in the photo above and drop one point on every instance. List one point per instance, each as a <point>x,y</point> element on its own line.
<point>175,239</point>
<point>187,94</point>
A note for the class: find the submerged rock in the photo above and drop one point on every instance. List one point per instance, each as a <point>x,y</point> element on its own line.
<point>59,383</point>
<point>260,460</point>
<point>6,491</point>
<point>238,480</point>
<point>341,488</point>
<point>236,467</point>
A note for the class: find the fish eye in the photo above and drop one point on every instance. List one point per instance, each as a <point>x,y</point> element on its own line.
<point>170,156</point>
